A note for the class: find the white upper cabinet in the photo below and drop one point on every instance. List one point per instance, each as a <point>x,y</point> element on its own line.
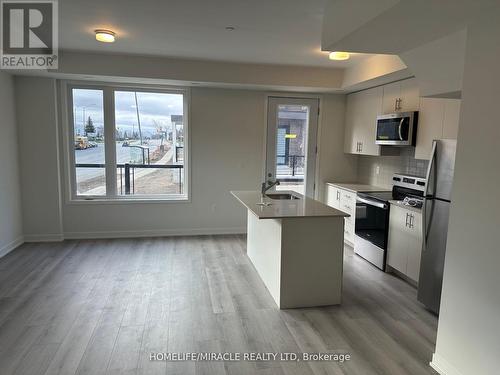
<point>363,108</point>
<point>438,119</point>
<point>430,126</point>
<point>351,140</point>
<point>410,96</point>
<point>361,114</point>
<point>401,96</point>
<point>392,92</point>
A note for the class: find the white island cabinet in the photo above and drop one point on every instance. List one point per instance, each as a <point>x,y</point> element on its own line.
<point>297,247</point>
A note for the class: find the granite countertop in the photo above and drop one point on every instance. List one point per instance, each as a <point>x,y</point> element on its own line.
<point>400,204</point>
<point>355,187</point>
<point>279,209</point>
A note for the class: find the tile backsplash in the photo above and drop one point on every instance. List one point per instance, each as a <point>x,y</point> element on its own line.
<point>386,166</point>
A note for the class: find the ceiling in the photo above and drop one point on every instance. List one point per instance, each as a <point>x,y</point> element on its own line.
<point>396,26</point>
<point>266,31</point>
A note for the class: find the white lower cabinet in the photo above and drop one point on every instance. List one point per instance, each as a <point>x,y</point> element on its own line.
<point>404,245</point>
<point>343,200</point>
<point>333,196</point>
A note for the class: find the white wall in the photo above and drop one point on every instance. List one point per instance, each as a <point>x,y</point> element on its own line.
<point>374,71</point>
<point>226,154</point>
<point>438,65</point>
<point>468,340</point>
<point>10,196</point>
<point>227,129</point>
<point>184,71</point>
<point>38,143</point>
<point>334,165</point>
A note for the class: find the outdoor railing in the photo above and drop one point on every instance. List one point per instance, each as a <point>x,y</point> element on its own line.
<point>294,162</point>
<point>127,173</point>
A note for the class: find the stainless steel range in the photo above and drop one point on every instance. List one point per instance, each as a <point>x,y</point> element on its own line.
<point>372,216</point>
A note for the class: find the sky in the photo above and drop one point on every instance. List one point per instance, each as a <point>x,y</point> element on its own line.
<point>152,106</point>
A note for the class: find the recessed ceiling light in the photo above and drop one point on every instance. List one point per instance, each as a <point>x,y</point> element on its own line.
<point>339,55</point>
<point>230,28</point>
<point>105,36</point>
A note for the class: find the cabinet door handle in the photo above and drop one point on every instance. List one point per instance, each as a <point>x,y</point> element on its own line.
<point>396,105</point>
<point>406,224</point>
<point>360,146</point>
<point>412,220</point>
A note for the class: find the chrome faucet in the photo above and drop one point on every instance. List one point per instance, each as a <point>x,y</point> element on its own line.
<point>268,185</point>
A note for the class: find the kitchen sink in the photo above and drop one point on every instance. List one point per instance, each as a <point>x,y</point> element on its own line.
<point>282,196</point>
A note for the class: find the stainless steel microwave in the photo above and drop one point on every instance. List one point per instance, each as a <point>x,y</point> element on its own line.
<point>397,129</point>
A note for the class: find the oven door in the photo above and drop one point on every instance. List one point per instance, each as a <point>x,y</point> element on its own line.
<point>372,221</point>
<point>395,129</point>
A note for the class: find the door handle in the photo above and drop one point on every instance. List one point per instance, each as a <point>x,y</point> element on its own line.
<point>406,223</point>
<point>372,203</point>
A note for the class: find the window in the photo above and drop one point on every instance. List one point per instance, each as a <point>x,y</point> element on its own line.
<point>127,143</point>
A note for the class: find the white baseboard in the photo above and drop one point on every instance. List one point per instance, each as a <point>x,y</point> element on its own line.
<point>154,233</point>
<point>43,237</point>
<point>119,234</point>
<point>442,366</point>
<point>4,250</point>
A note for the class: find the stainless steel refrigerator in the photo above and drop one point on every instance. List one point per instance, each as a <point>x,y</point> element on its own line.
<point>436,212</point>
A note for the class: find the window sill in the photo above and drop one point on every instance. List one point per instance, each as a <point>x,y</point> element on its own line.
<point>125,201</point>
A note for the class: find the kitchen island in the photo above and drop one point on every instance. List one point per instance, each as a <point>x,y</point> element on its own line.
<point>297,246</point>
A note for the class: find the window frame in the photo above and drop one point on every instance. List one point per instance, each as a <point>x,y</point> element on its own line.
<point>112,195</point>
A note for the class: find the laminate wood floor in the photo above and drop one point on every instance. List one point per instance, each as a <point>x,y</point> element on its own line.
<point>102,306</point>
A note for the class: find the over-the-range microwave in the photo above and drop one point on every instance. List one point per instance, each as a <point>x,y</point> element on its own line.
<point>397,129</point>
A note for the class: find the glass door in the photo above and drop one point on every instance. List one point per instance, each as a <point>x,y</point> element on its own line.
<point>292,128</point>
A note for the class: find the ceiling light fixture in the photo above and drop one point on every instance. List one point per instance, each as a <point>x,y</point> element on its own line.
<point>105,36</point>
<point>338,55</point>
